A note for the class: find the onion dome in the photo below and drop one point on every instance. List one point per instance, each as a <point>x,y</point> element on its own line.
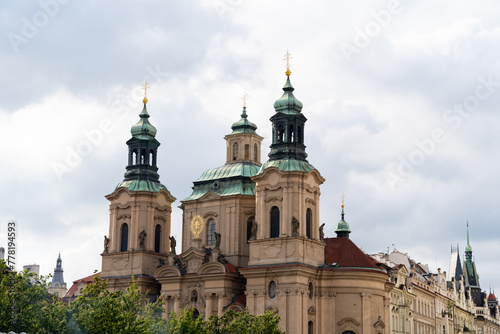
<point>288,103</point>
<point>244,125</point>
<point>343,229</point>
<point>143,129</point>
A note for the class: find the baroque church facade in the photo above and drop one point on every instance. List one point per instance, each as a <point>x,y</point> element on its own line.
<point>251,235</point>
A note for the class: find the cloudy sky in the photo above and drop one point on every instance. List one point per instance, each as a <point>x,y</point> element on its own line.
<point>400,96</point>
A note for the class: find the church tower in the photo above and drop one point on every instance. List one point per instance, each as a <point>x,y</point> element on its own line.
<point>140,208</point>
<point>58,287</point>
<point>471,276</point>
<point>287,248</point>
<point>223,198</point>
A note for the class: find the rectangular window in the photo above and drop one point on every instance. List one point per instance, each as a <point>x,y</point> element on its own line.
<point>247,152</point>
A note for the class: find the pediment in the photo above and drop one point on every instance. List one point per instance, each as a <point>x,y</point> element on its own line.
<point>312,310</point>
<point>212,268</point>
<point>166,272</point>
<point>194,259</point>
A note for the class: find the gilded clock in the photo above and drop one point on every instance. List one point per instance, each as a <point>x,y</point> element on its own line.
<point>197,226</point>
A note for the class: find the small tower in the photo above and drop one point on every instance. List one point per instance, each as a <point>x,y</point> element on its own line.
<point>288,245</point>
<point>342,227</point>
<point>470,274</point>
<point>223,198</point>
<point>58,287</point>
<point>139,226</point>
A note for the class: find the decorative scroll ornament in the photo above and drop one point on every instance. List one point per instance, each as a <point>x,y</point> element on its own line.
<point>197,226</point>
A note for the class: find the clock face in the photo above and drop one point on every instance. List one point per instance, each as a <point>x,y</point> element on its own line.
<point>197,226</point>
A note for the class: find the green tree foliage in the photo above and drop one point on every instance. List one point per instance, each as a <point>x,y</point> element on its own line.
<point>99,311</point>
<point>25,305</point>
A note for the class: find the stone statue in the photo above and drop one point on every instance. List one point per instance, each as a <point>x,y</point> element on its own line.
<point>217,240</point>
<point>142,239</point>
<point>253,231</point>
<point>180,263</point>
<point>221,258</point>
<point>161,262</point>
<point>207,258</point>
<point>295,227</point>
<point>321,232</point>
<point>106,244</point>
<point>173,243</point>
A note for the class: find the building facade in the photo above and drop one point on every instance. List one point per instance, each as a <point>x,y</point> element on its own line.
<point>251,235</point>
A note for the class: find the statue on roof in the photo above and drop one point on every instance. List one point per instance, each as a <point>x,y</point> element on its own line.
<point>173,243</point>
<point>295,227</point>
<point>217,240</point>
<point>106,244</point>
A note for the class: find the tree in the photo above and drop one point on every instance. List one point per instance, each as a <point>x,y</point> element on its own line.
<point>99,311</point>
<point>25,302</point>
<point>25,305</point>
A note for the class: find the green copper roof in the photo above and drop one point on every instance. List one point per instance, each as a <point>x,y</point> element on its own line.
<point>343,229</point>
<point>288,165</point>
<point>230,179</point>
<point>468,248</point>
<point>244,125</point>
<point>287,103</point>
<point>141,185</point>
<point>143,129</point>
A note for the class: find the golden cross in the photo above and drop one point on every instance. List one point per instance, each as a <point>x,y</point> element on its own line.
<point>244,97</point>
<point>146,86</point>
<point>288,56</point>
<point>342,199</point>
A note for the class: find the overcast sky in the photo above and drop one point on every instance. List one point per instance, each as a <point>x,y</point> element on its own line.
<point>401,98</point>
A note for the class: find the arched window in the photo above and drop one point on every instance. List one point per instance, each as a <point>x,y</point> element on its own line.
<point>308,223</point>
<point>196,313</point>
<point>152,158</point>
<point>275,222</point>
<point>310,328</point>
<point>272,289</point>
<point>236,151</point>
<point>124,238</point>
<point>311,290</point>
<point>255,152</point>
<point>157,238</point>
<point>299,135</point>
<point>143,156</point>
<point>134,153</point>
<point>247,152</point>
<point>249,227</point>
<point>291,134</point>
<point>281,133</point>
<point>211,233</point>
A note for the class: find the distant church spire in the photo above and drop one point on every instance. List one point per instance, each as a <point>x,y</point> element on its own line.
<point>58,272</point>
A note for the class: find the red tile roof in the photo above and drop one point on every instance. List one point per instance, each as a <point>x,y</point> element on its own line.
<point>87,280</point>
<point>492,297</point>
<point>345,253</point>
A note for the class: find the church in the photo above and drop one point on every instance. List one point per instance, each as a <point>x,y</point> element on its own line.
<point>251,234</point>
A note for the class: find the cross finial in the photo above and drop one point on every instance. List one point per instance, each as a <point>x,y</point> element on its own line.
<point>288,56</point>
<point>244,98</point>
<point>146,86</point>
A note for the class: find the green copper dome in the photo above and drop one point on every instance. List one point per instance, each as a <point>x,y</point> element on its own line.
<point>143,129</point>
<point>244,125</point>
<point>287,103</point>
<point>343,229</point>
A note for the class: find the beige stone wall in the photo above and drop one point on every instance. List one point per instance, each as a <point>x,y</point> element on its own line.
<point>231,214</point>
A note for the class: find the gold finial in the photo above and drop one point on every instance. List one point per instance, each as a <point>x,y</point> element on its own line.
<point>342,199</point>
<point>244,98</point>
<point>146,86</point>
<point>288,56</point>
